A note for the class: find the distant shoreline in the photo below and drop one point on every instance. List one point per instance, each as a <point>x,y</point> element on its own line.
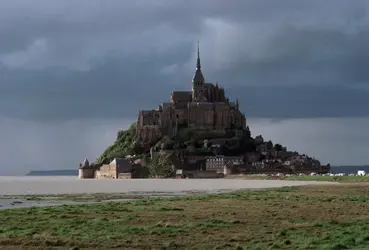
<point>74,172</point>
<point>65,172</point>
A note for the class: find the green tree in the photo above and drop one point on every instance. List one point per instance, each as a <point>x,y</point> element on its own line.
<point>123,145</point>
<point>278,147</point>
<point>184,134</point>
<point>140,171</point>
<point>115,154</point>
<point>165,143</point>
<point>269,145</point>
<point>248,145</point>
<point>161,166</point>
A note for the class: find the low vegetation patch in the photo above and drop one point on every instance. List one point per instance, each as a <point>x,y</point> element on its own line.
<point>309,217</point>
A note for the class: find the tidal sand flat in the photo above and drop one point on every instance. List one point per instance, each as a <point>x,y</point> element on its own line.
<point>20,192</point>
<point>305,217</point>
<point>72,185</point>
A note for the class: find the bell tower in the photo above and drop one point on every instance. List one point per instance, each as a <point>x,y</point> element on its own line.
<point>198,80</point>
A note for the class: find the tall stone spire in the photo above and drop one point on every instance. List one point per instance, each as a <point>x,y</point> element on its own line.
<point>198,80</point>
<point>198,66</point>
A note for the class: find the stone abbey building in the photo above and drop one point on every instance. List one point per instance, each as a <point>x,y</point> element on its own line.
<point>205,109</point>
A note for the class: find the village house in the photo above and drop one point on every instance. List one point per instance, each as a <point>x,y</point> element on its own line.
<point>217,163</point>
<point>119,168</point>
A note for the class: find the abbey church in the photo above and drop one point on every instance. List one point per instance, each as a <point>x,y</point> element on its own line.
<point>205,109</point>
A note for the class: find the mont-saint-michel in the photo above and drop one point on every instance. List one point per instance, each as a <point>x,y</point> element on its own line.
<point>197,134</point>
<point>193,171</point>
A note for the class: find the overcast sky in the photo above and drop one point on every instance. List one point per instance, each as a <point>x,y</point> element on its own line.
<point>73,72</point>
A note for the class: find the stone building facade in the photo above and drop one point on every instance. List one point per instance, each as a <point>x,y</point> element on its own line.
<point>216,163</point>
<point>119,168</point>
<point>86,171</point>
<point>116,169</point>
<point>204,109</point>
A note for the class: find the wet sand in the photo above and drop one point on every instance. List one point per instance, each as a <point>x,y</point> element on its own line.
<point>28,185</point>
<point>23,203</point>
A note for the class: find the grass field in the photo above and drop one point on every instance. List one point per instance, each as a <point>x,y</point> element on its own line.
<point>304,178</point>
<point>309,217</point>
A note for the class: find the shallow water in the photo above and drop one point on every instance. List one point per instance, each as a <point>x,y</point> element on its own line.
<point>22,203</point>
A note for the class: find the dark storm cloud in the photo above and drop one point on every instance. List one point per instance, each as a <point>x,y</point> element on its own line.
<point>107,91</point>
<point>313,57</point>
<point>62,60</point>
<point>70,69</point>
